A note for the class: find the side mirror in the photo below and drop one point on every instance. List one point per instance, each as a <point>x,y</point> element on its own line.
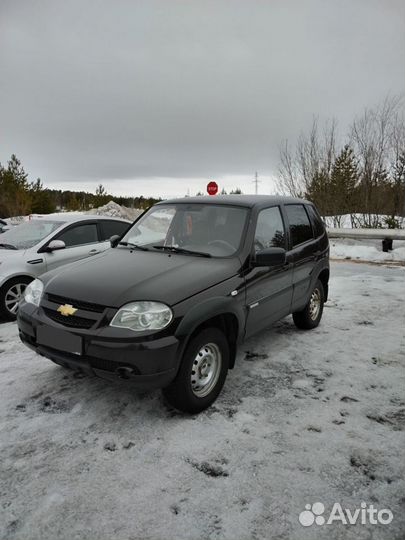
<point>270,257</point>
<point>114,240</point>
<point>54,245</point>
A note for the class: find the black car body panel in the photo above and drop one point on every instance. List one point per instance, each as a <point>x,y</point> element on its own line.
<point>229,291</point>
<point>140,275</point>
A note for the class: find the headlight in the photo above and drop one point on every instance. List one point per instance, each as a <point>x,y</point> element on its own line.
<point>140,316</point>
<point>33,292</point>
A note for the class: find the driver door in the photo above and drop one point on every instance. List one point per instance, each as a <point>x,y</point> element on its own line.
<point>268,289</point>
<point>81,241</point>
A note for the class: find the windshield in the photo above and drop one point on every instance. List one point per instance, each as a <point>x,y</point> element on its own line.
<point>28,234</point>
<point>210,229</point>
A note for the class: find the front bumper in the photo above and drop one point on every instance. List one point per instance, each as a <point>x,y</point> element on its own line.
<point>106,352</point>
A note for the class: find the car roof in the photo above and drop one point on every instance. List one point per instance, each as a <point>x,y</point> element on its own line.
<point>237,200</point>
<point>71,217</point>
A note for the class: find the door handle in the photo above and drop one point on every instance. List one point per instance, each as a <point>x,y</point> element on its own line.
<point>94,251</point>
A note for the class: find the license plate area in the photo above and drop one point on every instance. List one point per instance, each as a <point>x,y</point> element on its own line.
<point>59,340</point>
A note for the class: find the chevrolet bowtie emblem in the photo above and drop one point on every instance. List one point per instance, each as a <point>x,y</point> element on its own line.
<point>67,310</point>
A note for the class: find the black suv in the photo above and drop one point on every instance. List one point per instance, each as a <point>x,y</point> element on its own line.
<point>189,280</point>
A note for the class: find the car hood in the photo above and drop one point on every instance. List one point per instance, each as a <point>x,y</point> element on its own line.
<point>118,276</point>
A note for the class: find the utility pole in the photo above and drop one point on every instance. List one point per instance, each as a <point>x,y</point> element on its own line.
<point>256,182</point>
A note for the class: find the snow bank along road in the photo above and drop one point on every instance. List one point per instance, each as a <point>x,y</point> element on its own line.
<point>305,417</point>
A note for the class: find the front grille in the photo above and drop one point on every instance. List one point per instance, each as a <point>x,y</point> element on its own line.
<point>72,321</point>
<point>86,306</point>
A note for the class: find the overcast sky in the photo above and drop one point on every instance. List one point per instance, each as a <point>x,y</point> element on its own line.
<point>157,97</point>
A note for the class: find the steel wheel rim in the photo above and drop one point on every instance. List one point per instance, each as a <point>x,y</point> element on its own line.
<point>13,296</point>
<point>315,304</point>
<point>206,369</point>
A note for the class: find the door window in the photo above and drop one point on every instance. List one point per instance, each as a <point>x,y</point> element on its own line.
<point>300,226</point>
<point>316,220</point>
<point>80,235</point>
<point>269,229</point>
<point>111,228</point>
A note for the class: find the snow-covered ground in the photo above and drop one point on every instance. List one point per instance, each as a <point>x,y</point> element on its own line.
<point>366,250</point>
<point>304,417</point>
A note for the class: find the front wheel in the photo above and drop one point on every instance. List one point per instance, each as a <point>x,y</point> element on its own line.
<point>202,372</point>
<point>10,295</point>
<point>311,315</point>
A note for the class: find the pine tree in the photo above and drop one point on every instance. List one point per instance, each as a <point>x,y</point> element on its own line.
<point>42,202</point>
<point>101,198</point>
<point>344,180</point>
<point>320,192</point>
<point>15,198</point>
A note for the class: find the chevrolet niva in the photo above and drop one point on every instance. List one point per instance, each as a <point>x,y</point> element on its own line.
<point>191,279</point>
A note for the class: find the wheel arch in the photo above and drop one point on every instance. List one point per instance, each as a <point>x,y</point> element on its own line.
<point>215,314</point>
<point>16,276</point>
<point>228,323</point>
<point>324,279</point>
<point>4,311</point>
<point>9,278</point>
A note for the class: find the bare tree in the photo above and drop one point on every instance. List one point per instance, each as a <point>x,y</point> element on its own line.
<point>290,182</point>
<point>373,187</point>
<point>372,136</point>
<point>397,163</point>
<point>307,170</point>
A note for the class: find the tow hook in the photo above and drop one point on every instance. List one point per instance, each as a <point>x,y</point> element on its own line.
<point>124,372</point>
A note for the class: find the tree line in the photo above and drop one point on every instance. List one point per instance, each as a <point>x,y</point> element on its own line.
<point>19,196</point>
<point>363,175</point>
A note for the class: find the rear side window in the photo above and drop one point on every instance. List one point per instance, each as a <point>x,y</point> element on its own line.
<point>316,220</point>
<point>269,229</point>
<point>300,226</point>
<point>111,228</point>
<point>80,235</point>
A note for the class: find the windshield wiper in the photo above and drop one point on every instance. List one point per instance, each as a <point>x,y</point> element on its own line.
<point>131,245</point>
<point>7,246</point>
<point>175,249</point>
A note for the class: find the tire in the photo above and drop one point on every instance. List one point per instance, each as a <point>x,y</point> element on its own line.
<point>191,391</point>
<point>10,294</point>
<point>311,315</point>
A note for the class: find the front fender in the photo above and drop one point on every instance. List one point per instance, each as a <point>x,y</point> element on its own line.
<point>7,277</point>
<point>207,309</point>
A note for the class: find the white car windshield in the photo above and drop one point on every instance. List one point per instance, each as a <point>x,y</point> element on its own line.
<point>28,234</point>
<point>205,229</point>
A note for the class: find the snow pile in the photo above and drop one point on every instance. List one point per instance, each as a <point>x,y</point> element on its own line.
<point>112,209</point>
<point>15,220</point>
<point>366,250</point>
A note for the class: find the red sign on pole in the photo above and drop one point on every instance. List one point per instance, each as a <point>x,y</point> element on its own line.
<point>212,188</point>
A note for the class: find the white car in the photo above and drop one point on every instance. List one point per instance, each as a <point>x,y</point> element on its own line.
<point>36,246</point>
